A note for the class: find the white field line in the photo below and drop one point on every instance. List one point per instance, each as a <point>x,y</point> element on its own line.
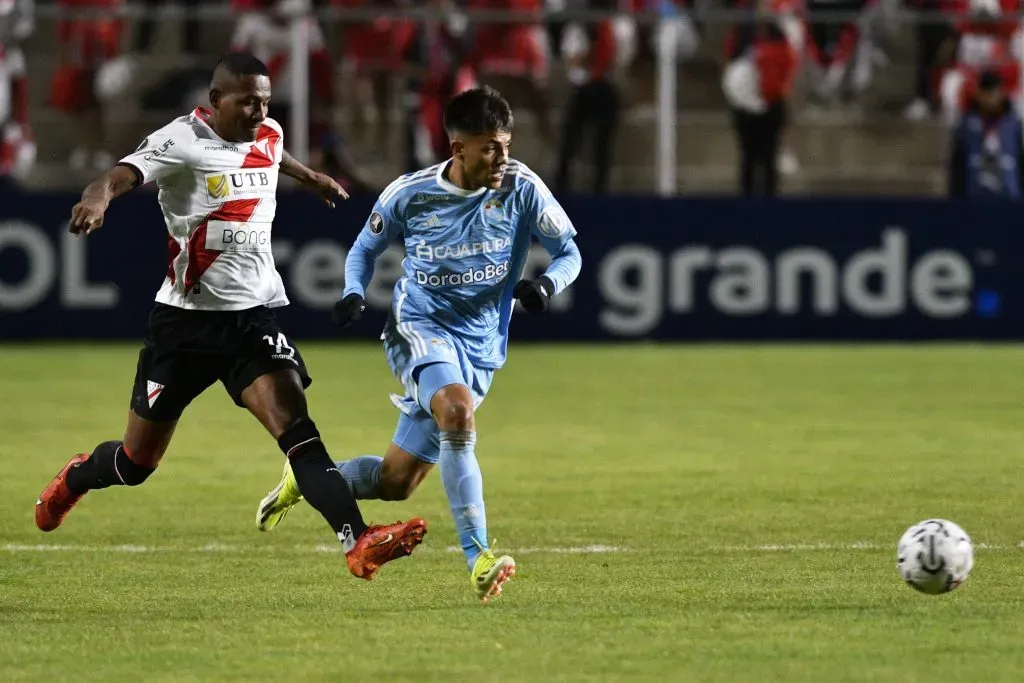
<point>225,548</point>
<point>556,550</point>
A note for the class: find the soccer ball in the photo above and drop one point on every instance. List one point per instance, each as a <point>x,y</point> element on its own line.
<point>935,556</point>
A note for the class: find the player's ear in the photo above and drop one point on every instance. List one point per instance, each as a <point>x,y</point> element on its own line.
<point>215,97</point>
<point>458,148</point>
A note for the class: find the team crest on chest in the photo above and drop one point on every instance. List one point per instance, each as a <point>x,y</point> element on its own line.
<point>494,208</point>
<point>494,211</point>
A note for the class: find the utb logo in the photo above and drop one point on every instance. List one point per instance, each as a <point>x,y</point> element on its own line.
<point>217,186</point>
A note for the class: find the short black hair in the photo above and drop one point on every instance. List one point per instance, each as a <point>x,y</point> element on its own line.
<point>478,111</point>
<point>242,64</point>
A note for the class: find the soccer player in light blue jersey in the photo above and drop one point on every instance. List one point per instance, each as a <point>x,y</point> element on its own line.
<point>467,225</point>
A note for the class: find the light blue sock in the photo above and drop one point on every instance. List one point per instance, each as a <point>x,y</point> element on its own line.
<point>460,474</point>
<point>362,475</point>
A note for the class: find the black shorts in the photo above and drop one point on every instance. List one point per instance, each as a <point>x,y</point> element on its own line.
<point>186,351</point>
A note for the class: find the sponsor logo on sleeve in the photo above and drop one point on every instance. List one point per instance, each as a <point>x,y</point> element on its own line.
<point>159,152</point>
<point>376,223</point>
<point>553,222</point>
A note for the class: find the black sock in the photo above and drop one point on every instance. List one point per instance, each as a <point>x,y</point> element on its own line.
<point>320,482</point>
<point>108,465</point>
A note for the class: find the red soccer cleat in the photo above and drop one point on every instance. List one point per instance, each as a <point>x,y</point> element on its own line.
<point>56,500</point>
<point>381,544</point>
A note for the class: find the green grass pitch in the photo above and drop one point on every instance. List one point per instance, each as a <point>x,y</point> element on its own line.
<point>679,513</point>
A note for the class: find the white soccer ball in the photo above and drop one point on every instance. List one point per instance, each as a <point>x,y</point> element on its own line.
<point>935,556</point>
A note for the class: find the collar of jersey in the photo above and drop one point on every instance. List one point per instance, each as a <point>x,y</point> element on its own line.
<point>451,187</point>
<point>201,114</point>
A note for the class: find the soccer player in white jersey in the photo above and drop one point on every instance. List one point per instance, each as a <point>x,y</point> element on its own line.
<point>217,172</point>
<point>467,225</point>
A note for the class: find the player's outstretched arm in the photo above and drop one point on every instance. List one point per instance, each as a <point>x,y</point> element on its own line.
<point>380,229</point>
<point>87,215</point>
<point>547,221</point>
<point>358,273</point>
<point>322,184</point>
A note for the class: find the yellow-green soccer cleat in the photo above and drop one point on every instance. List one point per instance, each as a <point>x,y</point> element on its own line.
<point>490,573</point>
<point>279,501</point>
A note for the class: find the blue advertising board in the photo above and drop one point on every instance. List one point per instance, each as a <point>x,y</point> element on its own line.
<point>680,269</point>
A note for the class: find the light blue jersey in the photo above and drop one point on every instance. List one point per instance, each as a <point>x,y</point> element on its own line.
<point>465,252</point>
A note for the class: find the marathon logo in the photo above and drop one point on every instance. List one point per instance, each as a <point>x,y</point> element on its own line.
<point>491,273</point>
<point>236,236</point>
<point>241,184</point>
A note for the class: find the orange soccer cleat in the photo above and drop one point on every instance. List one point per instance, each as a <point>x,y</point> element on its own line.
<point>381,544</point>
<point>56,500</point>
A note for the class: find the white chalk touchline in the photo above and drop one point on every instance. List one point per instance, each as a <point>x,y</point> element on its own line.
<point>224,548</point>
<point>557,550</point>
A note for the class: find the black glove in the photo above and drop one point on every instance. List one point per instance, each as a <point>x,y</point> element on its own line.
<point>534,295</point>
<point>349,309</point>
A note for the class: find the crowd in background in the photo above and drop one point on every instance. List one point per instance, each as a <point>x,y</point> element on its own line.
<point>967,57</point>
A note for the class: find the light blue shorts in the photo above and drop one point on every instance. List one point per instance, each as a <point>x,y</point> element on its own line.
<point>408,348</point>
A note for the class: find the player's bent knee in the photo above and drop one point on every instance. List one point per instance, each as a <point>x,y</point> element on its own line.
<point>440,384</point>
<point>455,416</point>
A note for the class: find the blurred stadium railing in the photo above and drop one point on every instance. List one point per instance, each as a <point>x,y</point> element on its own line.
<point>674,136</point>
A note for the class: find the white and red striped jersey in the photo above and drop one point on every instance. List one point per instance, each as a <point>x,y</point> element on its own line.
<point>218,199</point>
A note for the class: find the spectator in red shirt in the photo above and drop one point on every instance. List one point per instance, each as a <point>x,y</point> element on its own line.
<point>17,145</point>
<point>264,30</point>
<point>758,80</point>
<point>987,38</point>
<point>513,57</point>
<point>595,55</point>
<point>372,51</point>
<point>439,47</point>
<point>87,45</point>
